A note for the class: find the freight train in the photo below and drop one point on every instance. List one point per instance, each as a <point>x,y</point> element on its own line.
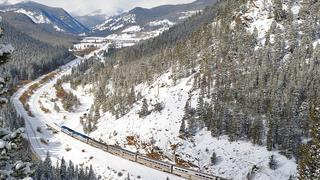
<point>141,159</point>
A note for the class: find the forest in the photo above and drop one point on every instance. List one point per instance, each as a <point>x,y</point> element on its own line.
<point>266,92</point>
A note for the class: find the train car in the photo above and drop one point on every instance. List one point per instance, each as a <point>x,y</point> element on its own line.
<point>162,166</point>
<point>159,165</point>
<point>67,130</point>
<point>98,144</point>
<point>122,153</point>
<point>129,155</point>
<point>193,175</point>
<point>75,134</point>
<point>80,136</point>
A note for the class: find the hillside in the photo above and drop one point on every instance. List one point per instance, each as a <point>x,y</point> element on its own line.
<point>38,31</point>
<point>54,19</point>
<point>42,56</point>
<point>230,96</point>
<point>142,23</point>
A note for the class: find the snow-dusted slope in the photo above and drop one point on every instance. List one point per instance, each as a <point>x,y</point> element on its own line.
<point>161,129</point>
<point>61,145</point>
<point>150,21</point>
<point>57,18</point>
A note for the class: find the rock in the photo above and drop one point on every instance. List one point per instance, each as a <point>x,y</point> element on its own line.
<point>8,146</point>
<point>19,165</point>
<point>2,144</point>
<point>20,130</point>
<point>14,146</point>
<point>13,135</point>
<point>3,152</point>
<point>27,169</point>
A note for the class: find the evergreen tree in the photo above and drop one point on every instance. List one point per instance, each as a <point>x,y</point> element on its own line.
<point>272,163</point>
<point>144,109</point>
<point>63,170</point>
<point>213,158</point>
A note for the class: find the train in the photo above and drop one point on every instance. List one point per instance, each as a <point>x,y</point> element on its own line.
<point>141,159</point>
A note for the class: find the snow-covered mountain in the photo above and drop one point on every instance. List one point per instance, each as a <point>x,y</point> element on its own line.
<point>57,18</point>
<point>149,22</point>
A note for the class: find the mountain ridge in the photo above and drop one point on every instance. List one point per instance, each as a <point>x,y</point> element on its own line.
<point>58,18</point>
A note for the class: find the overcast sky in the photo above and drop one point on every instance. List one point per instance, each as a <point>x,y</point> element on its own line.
<point>109,7</point>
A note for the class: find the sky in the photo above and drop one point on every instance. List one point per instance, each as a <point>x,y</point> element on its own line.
<point>108,7</point>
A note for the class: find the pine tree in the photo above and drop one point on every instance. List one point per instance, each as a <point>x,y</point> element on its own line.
<point>144,109</point>
<point>91,175</point>
<point>272,163</point>
<point>47,167</point>
<point>182,130</point>
<point>63,170</point>
<point>5,51</point>
<point>213,158</point>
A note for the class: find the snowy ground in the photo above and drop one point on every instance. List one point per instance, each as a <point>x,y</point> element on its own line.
<point>105,164</point>
<point>236,159</point>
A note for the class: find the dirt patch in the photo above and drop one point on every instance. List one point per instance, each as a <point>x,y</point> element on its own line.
<point>157,155</point>
<point>45,110</point>
<point>132,141</point>
<point>182,163</point>
<point>24,98</point>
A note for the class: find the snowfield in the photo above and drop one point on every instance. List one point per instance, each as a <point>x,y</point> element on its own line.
<point>61,145</point>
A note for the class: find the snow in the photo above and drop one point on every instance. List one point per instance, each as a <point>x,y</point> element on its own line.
<point>236,159</point>
<point>316,43</point>
<point>132,29</point>
<point>57,28</point>
<point>35,17</point>
<point>164,22</point>
<point>116,22</point>
<point>104,163</point>
<point>258,17</point>
<point>4,49</point>
<point>188,14</point>
<point>2,144</point>
<point>117,27</point>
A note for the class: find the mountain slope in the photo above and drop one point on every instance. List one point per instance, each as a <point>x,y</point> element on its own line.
<point>34,56</point>
<point>230,97</point>
<point>153,21</point>
<point>91,20</point>
<point>42,32</point>
<point>57,18</point>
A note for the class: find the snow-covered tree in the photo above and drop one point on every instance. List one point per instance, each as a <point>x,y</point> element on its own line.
<point>144,109</point>
<point>272,163</point>
<point>5,51</point>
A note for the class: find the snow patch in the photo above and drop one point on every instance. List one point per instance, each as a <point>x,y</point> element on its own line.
<point>35,17</point>
<point>132,29</point>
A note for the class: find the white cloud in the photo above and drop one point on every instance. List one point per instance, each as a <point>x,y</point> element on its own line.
<point>81,7</point>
